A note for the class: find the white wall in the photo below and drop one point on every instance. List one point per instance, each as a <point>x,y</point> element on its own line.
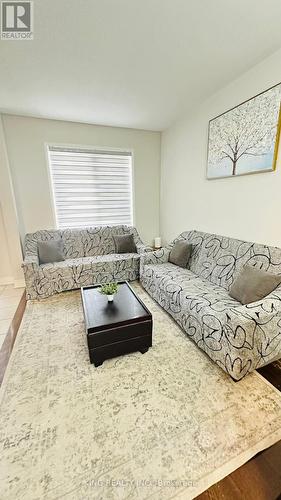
<point>246,207</point>
<point>26,138</point>
<point>10,248</point>
<point>6,273</point>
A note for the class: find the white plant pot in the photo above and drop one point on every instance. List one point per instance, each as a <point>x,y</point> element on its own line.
<point>110,298</point>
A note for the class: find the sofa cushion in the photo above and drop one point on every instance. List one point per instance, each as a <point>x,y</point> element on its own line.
<point>169,270</point>
<point>95,259</point>
<point>50,251</point>
<point>185,291</point>
<point>253,284</point>
<point>124,243</point>
<point>200,307</point>
<point>180,253</point>
<point>73,273</point>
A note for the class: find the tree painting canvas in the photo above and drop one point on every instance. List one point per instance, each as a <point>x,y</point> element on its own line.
<point>244,140</point>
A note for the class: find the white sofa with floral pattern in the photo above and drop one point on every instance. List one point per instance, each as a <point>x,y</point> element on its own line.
<point>239,338</point>
<point>90,259</point>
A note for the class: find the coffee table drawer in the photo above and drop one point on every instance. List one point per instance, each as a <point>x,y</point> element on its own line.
<point>118,334</point>
<point>100,354</point>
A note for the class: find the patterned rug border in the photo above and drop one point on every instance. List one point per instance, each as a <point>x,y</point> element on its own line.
<point>211,478</point>
<point>235,463</point>
<point>267,382</point>
<point>239,460</point>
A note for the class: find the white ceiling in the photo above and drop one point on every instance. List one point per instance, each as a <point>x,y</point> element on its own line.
<point>133,63</point>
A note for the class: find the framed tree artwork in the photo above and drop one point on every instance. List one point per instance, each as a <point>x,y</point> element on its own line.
<point>244,140</point>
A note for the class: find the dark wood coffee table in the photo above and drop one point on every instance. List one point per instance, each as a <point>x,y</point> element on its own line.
<point>118,327</point>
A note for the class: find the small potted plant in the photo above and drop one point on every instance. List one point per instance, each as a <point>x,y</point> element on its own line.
<point>109,289</point>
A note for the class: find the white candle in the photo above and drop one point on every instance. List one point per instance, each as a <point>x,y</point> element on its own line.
<point>157,242</point>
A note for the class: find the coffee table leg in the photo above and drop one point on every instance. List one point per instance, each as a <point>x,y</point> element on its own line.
<point>95,360</point>
<point>98,363</point>
<point>144,349</point>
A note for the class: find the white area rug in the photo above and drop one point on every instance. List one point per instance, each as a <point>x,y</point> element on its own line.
<point>166,424</point>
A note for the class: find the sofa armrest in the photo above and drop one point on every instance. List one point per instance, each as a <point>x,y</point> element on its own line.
<point>257,326</point>
<point>31,271</point>
<point>142,248</point>
<point>158,257</point>
<point>30,261</point>
<point>266,307</point>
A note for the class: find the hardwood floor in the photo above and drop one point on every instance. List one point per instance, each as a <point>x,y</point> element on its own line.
<point>272,373</point>
<point>9,341</point>
<point>258,479</point>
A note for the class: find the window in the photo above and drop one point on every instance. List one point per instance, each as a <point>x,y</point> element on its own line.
<point>91,187</point>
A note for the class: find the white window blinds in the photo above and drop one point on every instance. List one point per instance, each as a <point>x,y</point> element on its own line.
<point>91,187</point>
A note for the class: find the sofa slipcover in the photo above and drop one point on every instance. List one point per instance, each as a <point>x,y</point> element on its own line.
<point>239,338</point>
<point>90,259</point>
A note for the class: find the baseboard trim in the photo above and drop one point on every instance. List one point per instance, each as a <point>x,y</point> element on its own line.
<point>19,283</point>
<point>7,280</point>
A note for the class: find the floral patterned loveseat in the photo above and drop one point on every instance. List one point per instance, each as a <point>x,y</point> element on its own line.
<point>239,338</point>
<point>90,259</point>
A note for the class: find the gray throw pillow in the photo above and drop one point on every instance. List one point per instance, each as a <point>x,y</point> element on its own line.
<point>253,284</point>
<point>124,243</point>
<point>180,253</point>
<point>50,251</point>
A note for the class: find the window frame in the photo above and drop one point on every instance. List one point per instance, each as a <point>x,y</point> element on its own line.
<point>94,149</point>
